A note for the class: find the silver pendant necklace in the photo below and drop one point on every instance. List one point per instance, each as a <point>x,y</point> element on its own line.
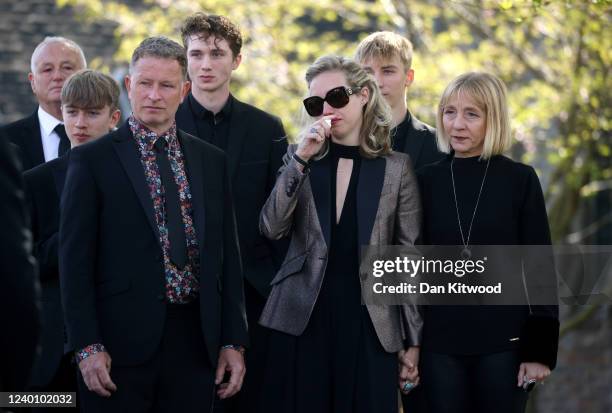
<point>466,253</point>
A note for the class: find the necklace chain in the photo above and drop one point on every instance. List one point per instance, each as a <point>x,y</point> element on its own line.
<point>465,241</point>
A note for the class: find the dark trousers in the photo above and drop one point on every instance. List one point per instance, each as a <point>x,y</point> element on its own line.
<point>178,378</point>
<point>472,384</point>
<point>65,380</point>
<point>246,399</point>
<point>415,401</point>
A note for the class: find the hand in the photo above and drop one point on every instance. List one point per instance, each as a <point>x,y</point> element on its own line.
<point>408,367</point>
<point>95,370</point>
<point>313,138</point>
<point>230,360</point>
<point>532,370</point>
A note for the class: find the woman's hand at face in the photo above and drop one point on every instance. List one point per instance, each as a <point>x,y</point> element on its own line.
<point>313,138</point>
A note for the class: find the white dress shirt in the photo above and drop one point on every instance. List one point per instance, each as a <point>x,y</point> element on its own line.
<point>50,139</point>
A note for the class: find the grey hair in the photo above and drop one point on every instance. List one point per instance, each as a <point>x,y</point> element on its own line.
<point>57,39</point>
<point>161,47</point>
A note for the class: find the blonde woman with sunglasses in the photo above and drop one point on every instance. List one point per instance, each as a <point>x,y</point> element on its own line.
<point>340,188</point>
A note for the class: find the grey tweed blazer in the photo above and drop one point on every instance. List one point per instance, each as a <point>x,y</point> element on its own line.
<point>388,213</point>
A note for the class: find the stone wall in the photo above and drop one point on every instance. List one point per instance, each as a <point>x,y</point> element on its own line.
<point>24,24</point>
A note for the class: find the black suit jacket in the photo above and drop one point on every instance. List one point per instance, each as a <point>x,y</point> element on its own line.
<point>111,262</point>
<point>255,148</point>
<point>44,185</point>
<point>419,142</point>
<point>19,316</point>
<point>25,133</point>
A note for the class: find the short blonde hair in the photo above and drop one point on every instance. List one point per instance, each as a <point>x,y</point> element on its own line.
<point>385,45</point>
<point>374,136</point>
<point>489,94</point>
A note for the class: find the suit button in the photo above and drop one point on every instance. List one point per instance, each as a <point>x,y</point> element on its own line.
<point>161,297</point>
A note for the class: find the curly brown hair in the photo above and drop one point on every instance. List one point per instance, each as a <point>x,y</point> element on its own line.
<point>204,25</point>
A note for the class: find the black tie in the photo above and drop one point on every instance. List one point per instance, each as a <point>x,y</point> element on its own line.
<point>64,144</point>
<point>174,218</point>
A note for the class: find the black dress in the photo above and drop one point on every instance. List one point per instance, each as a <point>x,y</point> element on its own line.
<point>338,364</point>
<point>511,211</point>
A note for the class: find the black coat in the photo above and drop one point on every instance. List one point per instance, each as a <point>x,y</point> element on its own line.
<point>44,185</point>
<point>255,147</point>
<point>25,133</point>
<point>111,262</point>
<point>418,140</point>
<point>19,316</point>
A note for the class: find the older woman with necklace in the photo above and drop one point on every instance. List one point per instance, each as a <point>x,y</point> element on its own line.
<point>482,358</point>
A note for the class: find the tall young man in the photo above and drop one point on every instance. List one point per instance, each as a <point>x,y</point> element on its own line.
<point>388,57</point>
<point>254,143</point>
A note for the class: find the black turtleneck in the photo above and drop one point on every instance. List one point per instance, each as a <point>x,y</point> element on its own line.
<point>511,211</point>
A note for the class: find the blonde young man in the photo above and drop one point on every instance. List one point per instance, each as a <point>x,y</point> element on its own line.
<point>388,57</point>
<point>90,110</point>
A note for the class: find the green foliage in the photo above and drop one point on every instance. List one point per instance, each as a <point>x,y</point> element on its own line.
<point>554,56</point>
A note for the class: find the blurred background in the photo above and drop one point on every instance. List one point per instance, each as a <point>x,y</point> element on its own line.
<point>555,57</point>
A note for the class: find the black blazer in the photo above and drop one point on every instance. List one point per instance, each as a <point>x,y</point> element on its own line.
<point>111,262</point>
<point>419,142</point>
<point>19,316</point>
<point>255,148</point>
<point>44,185</point>
<point>25,133</point>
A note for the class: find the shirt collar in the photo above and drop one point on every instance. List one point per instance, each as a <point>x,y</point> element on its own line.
<point>47,121</point>
<point>146,138</point>
<point>202,113</point>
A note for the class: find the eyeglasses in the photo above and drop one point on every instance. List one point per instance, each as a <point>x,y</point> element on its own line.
<point>337,97</point>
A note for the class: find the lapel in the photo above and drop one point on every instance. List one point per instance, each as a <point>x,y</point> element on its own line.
<point>30,136</point>
<point>236,135</point>
<point>59,173</point>
<point>369,187</point>
<point>128,153</point>
<point>414,139</point>
<point>195,176</point>
<point>184,118</point>
<point>320,182</point>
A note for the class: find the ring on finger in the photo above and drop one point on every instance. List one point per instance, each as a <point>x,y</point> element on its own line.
<point>314,130</point>
<point>407,387</point>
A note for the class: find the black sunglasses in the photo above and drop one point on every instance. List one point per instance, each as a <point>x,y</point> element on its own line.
<point>337,97</point>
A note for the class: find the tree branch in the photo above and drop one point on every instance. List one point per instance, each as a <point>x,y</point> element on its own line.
<point>539,71</point>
